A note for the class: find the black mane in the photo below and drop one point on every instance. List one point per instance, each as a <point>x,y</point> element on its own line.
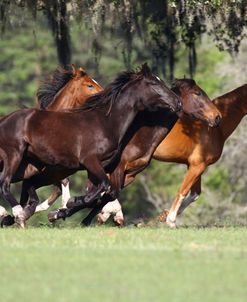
<point>52,85</point>
<point>111,92</point>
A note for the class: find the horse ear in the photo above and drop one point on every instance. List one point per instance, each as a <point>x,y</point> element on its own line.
<point>145,70</point>
<point>82,71</point>
<point>73,70</point>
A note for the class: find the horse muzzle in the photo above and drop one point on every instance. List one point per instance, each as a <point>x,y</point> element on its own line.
<point>177,108</point>
<point>215,121</point>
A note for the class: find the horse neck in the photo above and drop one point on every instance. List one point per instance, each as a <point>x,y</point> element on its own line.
<point>148,130</point>
<point>123,111</point>
<point>65,99</point>
<point>233,107</point>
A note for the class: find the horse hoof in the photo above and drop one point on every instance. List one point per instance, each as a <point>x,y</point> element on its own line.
<point>119,222</point>
<point>52,216</point>
<point>71,203</point>
<point>85,223</point>
<point>171,224</point>
<point>20,221</point>
<point>162,217</point>
<point>57,214</point>
<point>7,221</point>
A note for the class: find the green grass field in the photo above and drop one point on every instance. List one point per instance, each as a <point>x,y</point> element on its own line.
<point>131,264</point>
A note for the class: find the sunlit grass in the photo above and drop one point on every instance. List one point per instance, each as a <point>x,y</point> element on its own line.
<point>110,264</point>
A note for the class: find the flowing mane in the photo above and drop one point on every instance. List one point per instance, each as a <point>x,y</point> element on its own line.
<point>52,85</point>
<point>111,92</point>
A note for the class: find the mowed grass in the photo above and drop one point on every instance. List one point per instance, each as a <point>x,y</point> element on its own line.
<point>130,264</point>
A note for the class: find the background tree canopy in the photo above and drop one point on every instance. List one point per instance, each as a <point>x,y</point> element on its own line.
<point>201,39</point>
<point>159,25</point>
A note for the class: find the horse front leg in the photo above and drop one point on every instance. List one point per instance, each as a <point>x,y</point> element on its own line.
<point>72,206</point>
<point>103,201</point>
<point>50,200</point>
<point>98,177</point>
<point>191,177</point>
<point>108,206</point>
<point>63,189</point>
<point>65,192</point>
<point>114,209</point>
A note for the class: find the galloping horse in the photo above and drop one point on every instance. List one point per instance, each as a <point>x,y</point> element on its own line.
<point>194,144</point>
<point>138,152</point>
<point>89,138</point>
<point>202,147</point>
<point>64,89</point>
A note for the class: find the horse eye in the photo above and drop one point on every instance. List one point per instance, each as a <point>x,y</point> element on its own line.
<point>198,93</point>
<point>90,86</point>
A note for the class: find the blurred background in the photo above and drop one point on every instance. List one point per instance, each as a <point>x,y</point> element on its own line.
<point>205,40</point>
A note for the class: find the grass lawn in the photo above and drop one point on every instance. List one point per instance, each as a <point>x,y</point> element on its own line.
<point>131,264</point>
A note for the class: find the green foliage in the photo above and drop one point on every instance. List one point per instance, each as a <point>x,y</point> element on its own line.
<point>217,180</point>
<point>23,59</point>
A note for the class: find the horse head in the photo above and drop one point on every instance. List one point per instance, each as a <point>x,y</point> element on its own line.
<point>196,103</point>
<point>66,88</point>
<point>155,93</point>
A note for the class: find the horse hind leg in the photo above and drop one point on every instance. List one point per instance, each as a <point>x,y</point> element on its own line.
<point>3,213</point>
<point>10,165</point>
<point>193,196</point>
<point>65,192</point>
<point>191,177</point>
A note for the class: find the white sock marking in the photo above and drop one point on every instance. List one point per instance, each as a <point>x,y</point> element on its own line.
<point>3,212</point>
<point>65,195</point>
<point>42,207</point>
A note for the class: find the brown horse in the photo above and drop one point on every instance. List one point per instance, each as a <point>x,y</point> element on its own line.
<point>89,138</point>
<point>197,146</point>
<point>63,89</point>
<point>202,147</point>
<point>137,154</point>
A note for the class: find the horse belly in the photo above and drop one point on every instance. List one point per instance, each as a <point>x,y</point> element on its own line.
<point>54,155</point>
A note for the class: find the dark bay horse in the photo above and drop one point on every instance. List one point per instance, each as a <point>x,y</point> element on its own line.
<point>194,144</point>
<point>89,138</point>
<point>138,152</point>
<point>65,88</point>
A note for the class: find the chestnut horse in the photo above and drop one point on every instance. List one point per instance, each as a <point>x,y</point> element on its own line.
<point>63,89</point>
<point>196,146</point>
<point>202,147</point>
<point>137,154</point>
<point>89,138</point>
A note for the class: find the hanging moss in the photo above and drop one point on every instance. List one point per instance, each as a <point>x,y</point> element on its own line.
<point>162,25</point>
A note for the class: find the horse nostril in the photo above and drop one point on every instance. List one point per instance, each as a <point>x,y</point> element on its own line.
<point>217,120</point>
